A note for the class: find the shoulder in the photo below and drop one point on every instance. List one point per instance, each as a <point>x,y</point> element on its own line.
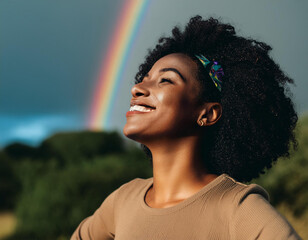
<point>136,182</point>
<point>133,188</point>
<point>236,192</point>
<point>229,195</point>
<point>251,214</point>
<point>242,191</point>
<point>102,223</point>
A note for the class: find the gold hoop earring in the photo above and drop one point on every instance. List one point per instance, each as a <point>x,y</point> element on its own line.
<point>201,123</point>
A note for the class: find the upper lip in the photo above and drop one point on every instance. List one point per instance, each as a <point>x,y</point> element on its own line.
<point>141,103</point>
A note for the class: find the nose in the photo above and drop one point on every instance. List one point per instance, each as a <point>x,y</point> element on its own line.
<point>140,89</point>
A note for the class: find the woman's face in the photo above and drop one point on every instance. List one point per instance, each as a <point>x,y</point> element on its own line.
<point>165,104</point>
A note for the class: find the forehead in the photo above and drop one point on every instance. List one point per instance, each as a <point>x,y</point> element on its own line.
<point>184,64</point>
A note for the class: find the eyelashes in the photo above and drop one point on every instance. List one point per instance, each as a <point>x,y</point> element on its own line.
<point>161,81</point>
<point>166,80</point>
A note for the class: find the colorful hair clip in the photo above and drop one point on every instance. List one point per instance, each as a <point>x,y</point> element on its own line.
<point>216,72</point>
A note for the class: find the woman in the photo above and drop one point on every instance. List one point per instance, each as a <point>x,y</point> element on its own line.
<point>209,109</point>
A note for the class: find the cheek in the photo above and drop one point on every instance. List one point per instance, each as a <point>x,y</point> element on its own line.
<point>176,104</point>
<point>169,102</point>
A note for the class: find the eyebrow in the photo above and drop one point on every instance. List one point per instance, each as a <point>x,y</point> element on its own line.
<point>172,70</point>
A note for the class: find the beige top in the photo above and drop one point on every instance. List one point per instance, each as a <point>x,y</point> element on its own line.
<point>223,209</point>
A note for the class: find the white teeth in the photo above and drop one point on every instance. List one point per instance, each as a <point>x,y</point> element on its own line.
<point>140,108</point>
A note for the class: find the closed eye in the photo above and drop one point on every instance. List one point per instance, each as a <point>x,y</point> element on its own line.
<point>166,80</point>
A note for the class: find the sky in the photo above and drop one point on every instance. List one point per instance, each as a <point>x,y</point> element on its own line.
<point>51,52</point>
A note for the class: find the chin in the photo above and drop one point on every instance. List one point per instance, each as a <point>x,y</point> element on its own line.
<point>130,133</point>
<point>133,134</point>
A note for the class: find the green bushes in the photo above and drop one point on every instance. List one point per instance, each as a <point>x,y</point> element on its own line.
<point>59,199</point>
<point>68,182</point>
<point>9,185</point>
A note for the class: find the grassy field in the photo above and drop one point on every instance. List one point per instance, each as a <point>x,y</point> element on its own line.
<point>7,224</point>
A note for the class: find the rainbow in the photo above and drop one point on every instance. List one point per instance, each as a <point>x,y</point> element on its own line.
<point>126,28</point>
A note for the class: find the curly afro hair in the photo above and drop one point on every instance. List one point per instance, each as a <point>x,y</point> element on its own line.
<point>258,117</point>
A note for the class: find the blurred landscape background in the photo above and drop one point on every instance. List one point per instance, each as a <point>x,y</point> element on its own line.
<point>54,169</point>
<point>46,191</point>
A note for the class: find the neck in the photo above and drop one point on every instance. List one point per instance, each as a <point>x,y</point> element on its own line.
<point>178,171</point>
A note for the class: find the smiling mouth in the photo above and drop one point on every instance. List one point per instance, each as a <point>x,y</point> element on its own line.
<point>141,108</point>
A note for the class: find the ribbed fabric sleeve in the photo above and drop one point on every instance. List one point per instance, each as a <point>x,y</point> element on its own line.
<point>223,209</point>
<point>255,218</point>
<point>99,226</point>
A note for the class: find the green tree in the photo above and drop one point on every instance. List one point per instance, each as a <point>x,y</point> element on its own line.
<point>9,184</point>
<point>54,203</point>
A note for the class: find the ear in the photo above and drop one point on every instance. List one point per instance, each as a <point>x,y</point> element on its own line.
<point>210,113</point>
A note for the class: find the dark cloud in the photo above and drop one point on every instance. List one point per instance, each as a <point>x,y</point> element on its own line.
<point>51,54</point>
